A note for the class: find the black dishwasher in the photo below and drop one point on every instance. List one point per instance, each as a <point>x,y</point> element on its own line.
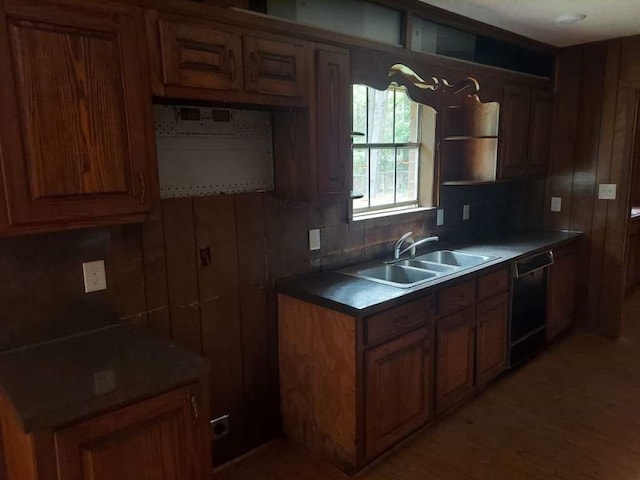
<point>527,332</point>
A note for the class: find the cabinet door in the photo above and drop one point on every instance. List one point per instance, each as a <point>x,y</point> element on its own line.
<point>398,377</point>
<point>276,68</point>
<point>77,131</point>
<point>515,131</point>
<point>196,56</point>
<point>151,440</point>
<point>455,358</point>
<point>334,123</point>
<point>539,132</point>
<point>561,293</point>
<point>491,338</point>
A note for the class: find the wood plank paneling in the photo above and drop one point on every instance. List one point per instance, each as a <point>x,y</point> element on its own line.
<point>155,276</point>
<point>180,247</point>
<point>563,136</point>
<point>217,273</point>
<point>252,283</point>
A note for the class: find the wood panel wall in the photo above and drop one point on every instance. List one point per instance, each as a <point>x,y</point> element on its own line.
<point>204,274</point>
<point>591,144</point>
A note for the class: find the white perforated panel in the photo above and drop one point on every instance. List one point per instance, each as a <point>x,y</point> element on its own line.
<point>210,151</point>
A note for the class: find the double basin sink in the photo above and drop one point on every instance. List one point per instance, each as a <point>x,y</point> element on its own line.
<point>422,269</point>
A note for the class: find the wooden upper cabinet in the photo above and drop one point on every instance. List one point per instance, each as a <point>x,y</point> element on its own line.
<point>491,338</point>
<point>155,439</point>
<point>526,131</point>
<point>539,132</point>
<point>455,358</point>
<point>76,126</point>
<point>196,56</point>
<point>398,377</point>
<point>561,291</point>
<point>276,67</point>
<point>334,123</point>
<point>515,131</point>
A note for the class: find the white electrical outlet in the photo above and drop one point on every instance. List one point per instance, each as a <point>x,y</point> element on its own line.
<point>466,211</point>
<point>314,239</point>
<point>440,218</point>
<point>607,191</point>
<point>94,275</point>
<point>556,204</point>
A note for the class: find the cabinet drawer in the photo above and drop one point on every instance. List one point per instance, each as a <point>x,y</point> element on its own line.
<point>558,253</point>
<point>195,56</point>
<point>396,321</point>
<point>493,284</point>
<point>276,68</point>
<point>634,227</point>
<point>454,299</point>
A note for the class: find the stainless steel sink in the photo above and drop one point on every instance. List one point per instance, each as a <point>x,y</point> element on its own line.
<point>436,267</point>
<point>415,271</point>
<point>395,275</point>
<point>454,258</point>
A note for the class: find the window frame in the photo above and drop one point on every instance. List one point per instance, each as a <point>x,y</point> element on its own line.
<point>417,146</point>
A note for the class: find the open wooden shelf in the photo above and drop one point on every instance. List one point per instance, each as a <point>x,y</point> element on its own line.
<point>469,147</point>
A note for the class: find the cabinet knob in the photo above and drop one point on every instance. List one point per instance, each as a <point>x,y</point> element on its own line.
<point>143,187</point>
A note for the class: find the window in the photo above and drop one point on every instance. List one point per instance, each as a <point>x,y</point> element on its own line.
<point>393,158</point>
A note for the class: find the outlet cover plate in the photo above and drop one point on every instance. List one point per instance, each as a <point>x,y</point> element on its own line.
<point>607,191</point>
<point>94,275</point>
<point>314,239</point>
<point>466,212</point>
<point>440,218</point>
<point>556,204</point>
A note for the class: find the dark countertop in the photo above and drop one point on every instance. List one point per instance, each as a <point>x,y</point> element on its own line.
<point>63,381</point>
<point>359,297</point>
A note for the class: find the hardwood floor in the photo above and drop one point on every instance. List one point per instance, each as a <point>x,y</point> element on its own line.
<point>572,413</point>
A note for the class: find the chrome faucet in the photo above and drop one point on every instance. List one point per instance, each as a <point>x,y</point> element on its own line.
<point>411,244</point>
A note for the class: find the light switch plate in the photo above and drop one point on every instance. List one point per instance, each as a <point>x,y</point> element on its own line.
<point>314,239</point>
<point>94,275</point>
<point>556,204</point>
<point>607,191</point>
<point>440,218</point>
<point>466,211</point>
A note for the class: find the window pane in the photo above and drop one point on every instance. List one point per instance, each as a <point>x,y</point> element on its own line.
<point>360,113</point>
<point>407,175</point>
<point>407,114</point>
<point>382,185</point>
<point>353,17</point>
<point>380,128</point>
<point>361,177</point>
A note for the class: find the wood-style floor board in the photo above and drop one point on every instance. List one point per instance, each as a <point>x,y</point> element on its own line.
<point>572,413</point>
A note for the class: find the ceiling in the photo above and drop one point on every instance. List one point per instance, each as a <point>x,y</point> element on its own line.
<point>536,18</point>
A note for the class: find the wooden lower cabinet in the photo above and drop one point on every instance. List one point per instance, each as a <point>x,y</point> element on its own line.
<point>162,438</point>
<point>492,317</point>
<point>561,291</point>
<point>351,387</point>
<point>456,357</point>
<point>398,386</point>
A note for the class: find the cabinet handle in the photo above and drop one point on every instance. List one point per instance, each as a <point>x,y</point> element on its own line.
<point>254,66</point>
<point>232,65</point>
<point>194,406</point>
<point>143,187</point>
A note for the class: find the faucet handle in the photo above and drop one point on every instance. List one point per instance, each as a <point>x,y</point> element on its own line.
<point>403,238</point>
